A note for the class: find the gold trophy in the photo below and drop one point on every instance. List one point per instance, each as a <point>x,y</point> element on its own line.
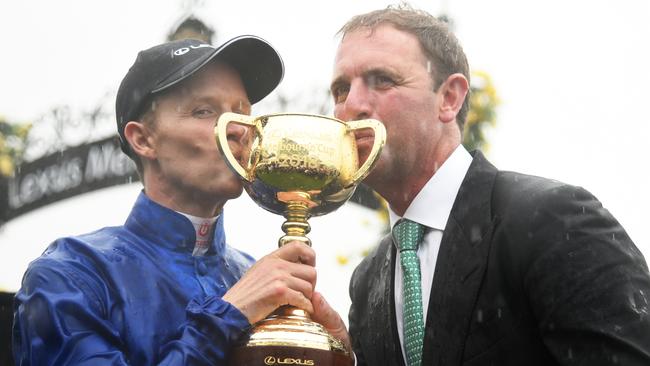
<point>299,166</point>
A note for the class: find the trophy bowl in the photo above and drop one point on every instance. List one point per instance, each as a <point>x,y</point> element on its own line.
<point>298,166</point>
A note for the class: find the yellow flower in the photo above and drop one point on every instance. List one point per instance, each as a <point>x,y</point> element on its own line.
<point>6,166</point>
<point>342,259</point>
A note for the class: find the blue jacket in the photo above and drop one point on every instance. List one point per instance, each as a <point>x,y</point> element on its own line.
<point>130,295</point>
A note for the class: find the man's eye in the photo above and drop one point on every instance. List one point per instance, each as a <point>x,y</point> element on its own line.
<point>340,93</point>
<point>379,81</point>
<point>203,112</point>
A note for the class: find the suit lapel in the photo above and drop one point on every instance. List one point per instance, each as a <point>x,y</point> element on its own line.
<point>386,317</point>
<point>397,347</point>
<point>460,267</point>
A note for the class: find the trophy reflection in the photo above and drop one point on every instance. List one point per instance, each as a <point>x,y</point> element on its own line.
<point>298,166</point>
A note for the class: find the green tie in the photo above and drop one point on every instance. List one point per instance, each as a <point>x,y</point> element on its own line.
<point>409,234</point>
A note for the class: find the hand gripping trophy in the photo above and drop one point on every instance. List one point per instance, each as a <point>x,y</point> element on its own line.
<point>298,166</point>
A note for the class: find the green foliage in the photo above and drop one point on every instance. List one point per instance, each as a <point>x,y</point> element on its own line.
<point>482,112</point>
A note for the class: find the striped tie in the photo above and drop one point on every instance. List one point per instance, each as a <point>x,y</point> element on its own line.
<point>409,234</point>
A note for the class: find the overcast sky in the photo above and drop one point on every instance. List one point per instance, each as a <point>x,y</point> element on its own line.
<point>573,76</point>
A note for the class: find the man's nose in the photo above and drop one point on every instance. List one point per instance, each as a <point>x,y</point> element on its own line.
<point>239,141</point>
<point>236,131</point>
<point>238,134</point>
<point>358,103</point>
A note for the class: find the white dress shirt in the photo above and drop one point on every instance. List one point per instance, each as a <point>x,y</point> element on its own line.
<point>431,208</point>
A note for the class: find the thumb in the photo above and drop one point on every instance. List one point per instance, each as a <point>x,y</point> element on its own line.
<point>330,319</point>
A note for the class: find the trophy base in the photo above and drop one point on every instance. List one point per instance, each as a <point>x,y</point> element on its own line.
<point>289,337</point>
<point>287,355</point>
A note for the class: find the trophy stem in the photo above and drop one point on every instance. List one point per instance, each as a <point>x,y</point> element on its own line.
<point>296,227</point>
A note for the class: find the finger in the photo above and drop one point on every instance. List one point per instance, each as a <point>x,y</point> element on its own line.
<point>277,268</point>
<point>301,285</point>
<point>330,319</point>
<point>299,300</point>
<point>298,253</point>
<point>325,314</point>
<point>303,271</point>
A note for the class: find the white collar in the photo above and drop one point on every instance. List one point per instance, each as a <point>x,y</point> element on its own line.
<point>432,205</point>
<point>204,230</point>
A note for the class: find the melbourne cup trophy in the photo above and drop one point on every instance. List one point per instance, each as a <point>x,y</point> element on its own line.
<point>298,166</point>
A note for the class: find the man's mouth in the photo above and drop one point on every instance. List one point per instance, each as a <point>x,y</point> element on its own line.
<point>363,137</point>
<point>364,141</point>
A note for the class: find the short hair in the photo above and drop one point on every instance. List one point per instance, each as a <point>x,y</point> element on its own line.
<point>438,42</point>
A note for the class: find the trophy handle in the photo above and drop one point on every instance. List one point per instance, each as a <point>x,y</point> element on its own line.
<point>378,144</point>
<point>222,139</point>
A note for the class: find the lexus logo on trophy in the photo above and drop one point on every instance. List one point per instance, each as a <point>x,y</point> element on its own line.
<point>298,166</point>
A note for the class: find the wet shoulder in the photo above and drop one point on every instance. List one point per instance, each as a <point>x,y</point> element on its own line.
<point>520,196</point>
<point>84,252</point>
<point>537,216</point>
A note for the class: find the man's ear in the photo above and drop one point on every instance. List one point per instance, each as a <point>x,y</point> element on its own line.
<point>138,136</point>
<point>453,92</point>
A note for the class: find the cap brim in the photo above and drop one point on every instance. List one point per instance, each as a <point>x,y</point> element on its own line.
<point>259,65</point>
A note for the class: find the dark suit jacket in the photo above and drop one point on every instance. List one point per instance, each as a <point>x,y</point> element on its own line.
<point>530,272</point>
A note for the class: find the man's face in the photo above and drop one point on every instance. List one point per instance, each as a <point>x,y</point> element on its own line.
<point>188,167</point>
<point>385,75</point>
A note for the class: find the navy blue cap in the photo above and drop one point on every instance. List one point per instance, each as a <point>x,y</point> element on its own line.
<point>160,67</point>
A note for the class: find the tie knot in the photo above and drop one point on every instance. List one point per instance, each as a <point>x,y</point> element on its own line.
<point>408,234</point>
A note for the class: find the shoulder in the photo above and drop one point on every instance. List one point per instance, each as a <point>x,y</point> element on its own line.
<point>503,196</point>
<point>80,259</point>
<point>554,224</point>
<point>84,247</point>
<point>543,220</point>
<point>527,188</point>
<point>531,198</point>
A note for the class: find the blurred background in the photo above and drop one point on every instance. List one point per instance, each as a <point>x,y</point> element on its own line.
<point>560,90</point>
